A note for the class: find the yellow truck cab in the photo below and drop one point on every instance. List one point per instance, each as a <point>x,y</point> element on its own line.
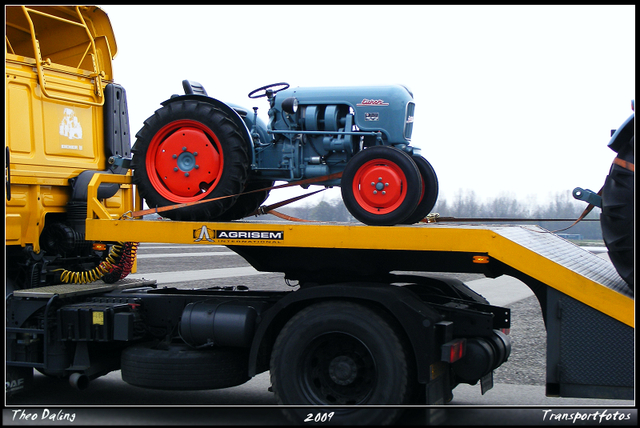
<point>66,119</point>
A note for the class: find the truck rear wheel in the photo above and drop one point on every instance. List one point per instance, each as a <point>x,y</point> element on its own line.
<point>181,367</point>
<point>340,353</point>
<point>186,152</point>
<point>381,186</point>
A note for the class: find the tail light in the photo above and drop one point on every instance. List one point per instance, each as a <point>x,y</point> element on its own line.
<point>454,350</point>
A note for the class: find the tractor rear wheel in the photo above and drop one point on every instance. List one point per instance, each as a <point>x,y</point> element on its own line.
<point>190,151</point>
<point>429,193</point>
<point>381,186</point>
<point>253,196</point>
<point>618,214</point>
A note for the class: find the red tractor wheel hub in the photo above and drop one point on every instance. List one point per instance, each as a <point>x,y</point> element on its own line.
<point>187,159</point>
<point>379,186</point>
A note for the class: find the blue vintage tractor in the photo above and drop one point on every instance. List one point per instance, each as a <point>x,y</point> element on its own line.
<point>197,148</point>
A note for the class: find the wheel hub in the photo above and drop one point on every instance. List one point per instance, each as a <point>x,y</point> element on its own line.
<point>187,162</point>
<point>380,186</point>
<point>343,370</point>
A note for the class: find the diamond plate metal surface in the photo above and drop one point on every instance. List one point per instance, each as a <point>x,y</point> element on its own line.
<point>601,354</point>
<point>68,290</point>
<point>567,254</point>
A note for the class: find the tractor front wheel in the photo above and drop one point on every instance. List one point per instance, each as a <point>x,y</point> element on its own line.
<point>381,186</point>
<point>429,193</point>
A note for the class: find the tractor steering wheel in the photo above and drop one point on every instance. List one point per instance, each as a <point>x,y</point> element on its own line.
<point>280,86</point>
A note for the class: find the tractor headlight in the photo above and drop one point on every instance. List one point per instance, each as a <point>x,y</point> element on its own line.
<point>290,105</point>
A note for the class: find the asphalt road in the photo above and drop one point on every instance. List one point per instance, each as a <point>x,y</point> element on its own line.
<point>518,384</point>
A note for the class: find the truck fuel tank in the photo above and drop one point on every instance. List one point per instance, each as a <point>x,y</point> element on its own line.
<point>219,323</point>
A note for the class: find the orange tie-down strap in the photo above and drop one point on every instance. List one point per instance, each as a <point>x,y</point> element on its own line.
<point>188,204</point>
<point>625,164</point>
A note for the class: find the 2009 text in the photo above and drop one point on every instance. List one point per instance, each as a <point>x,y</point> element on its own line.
<point>319,417</point>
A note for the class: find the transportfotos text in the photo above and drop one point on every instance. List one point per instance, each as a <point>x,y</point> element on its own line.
<point>600,416</point>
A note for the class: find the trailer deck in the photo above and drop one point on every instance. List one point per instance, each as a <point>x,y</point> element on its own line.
<point>304,250</point>
<point>284,247</point>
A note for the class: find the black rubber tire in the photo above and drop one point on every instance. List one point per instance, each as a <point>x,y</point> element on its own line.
<point>230,147</point>
<point>406,191</point>
<point>340,353</point>
<point>181,367</point>
<point>618,215</point>
<point>248,203</point>
<point>429,193</point>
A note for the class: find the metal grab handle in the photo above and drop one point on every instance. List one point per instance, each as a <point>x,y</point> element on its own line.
<point>7,173</point>
<point>40,62</point>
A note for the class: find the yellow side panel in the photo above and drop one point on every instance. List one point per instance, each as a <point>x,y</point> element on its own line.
<point>21,216</point>
<point>115,203</point>
<point>54,197</point>
<point>69,130</point>
<point>25,212</point>
<point>19,123</point>
<point>13,229</point>
<point>50,138</point>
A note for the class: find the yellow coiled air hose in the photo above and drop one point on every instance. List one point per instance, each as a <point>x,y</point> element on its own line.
<point>119,261</point>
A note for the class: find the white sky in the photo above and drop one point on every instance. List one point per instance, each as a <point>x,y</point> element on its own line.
<point>509,99</point>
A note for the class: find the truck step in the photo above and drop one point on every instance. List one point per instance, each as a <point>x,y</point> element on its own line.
<point>68,290</point>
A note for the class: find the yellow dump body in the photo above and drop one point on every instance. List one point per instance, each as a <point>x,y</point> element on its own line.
<point>58,63</point>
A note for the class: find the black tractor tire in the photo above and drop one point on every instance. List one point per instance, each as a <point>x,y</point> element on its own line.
<point>247,203</point>
<point>618,214</point>
<point>429,190</point>
<point>189,151</point>
<point>381,186</point>
<point>181,367</point>
<point>341,353</point>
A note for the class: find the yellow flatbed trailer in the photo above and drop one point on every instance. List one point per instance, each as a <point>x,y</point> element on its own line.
<point>589,310</point>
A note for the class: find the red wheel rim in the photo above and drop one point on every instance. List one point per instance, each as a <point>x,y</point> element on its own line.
<point>185,161</point>
<point>379,186</point>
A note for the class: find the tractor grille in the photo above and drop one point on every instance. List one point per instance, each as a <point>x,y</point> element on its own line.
<point>408,120</point>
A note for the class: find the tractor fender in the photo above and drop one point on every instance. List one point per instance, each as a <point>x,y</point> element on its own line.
<point>416,319</point>
<point>622,135</point>
<point>231,112</point>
